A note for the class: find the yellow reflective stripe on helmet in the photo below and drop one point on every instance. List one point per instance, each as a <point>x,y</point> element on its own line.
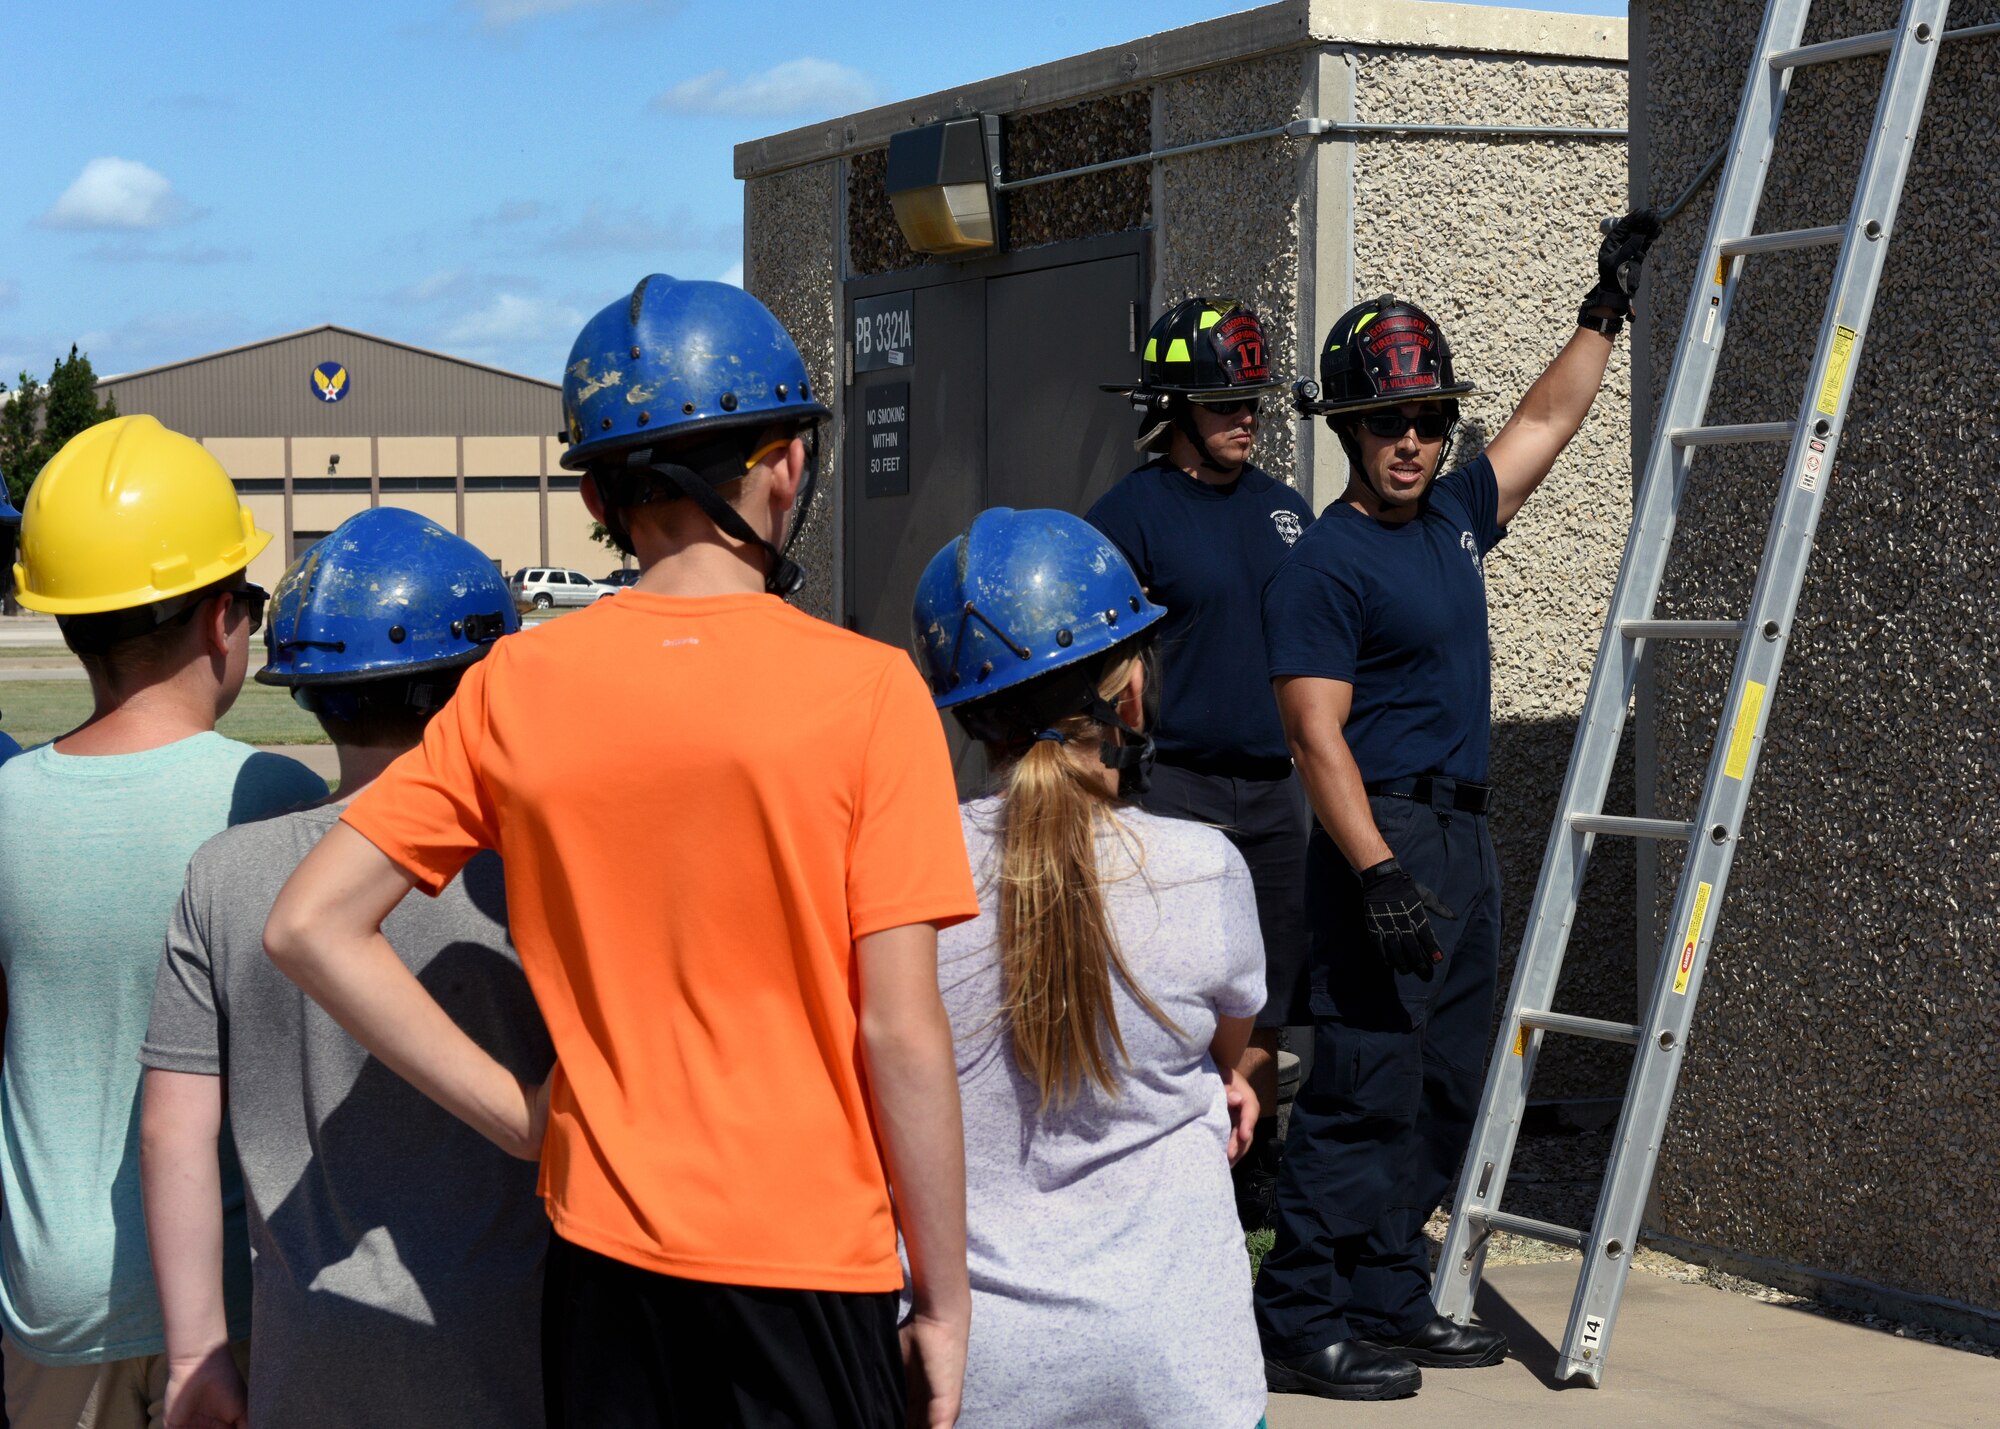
<point>1177,351</point>
<point>1152,349</point>
<point>1366,318</point>
<point>1210,317</point>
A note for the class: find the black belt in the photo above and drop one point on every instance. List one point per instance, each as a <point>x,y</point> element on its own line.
<point>1235,767</point>
<point>1437,789</point>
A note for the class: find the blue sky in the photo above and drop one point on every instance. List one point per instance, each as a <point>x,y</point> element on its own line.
<point>471,175</point>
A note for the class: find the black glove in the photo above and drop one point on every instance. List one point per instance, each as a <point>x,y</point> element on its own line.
<point>1619,258</point>
<point>1392,910</point>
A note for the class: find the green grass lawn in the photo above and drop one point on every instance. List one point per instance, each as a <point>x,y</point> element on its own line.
<point>34,711</point>
<point>36,654</point>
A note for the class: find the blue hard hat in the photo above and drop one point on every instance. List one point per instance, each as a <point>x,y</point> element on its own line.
<point>387,593</point>
<point>678,359</point>
<point>8,515</point>
<point>1020,595</point>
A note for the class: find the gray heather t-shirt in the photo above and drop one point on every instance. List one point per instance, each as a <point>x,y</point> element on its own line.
<point>1110,1285</point>
<point>396,1254</point>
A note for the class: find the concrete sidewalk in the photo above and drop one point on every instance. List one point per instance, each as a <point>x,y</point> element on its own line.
<point>1684,1354</point>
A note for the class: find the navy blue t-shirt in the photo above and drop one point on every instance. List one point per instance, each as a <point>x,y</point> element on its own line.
<point>1204,552</point>
<point>1400,613</point>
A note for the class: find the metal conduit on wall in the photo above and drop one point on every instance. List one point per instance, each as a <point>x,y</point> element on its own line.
<point>1318,129</point>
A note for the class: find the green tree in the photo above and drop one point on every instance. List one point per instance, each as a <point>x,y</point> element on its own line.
<point>39,419</point>
<point>20,431</point>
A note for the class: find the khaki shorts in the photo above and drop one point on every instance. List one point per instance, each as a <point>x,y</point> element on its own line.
<point>118,1394</point>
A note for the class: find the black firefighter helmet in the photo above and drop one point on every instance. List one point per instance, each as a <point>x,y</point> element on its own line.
<point>1203,347</point>
<point>1381,353</point>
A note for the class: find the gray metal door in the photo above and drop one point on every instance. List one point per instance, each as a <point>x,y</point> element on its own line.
<point>991,399</point>
<point>1052,336</point>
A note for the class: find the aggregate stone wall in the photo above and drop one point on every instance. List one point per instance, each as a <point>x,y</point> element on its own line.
<point>1230,217</point>
<point>1497,240</point>
<point>789,266</point>
<point>1840,1105</point>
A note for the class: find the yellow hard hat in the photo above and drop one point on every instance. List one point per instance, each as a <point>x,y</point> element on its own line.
<point>126,514</point>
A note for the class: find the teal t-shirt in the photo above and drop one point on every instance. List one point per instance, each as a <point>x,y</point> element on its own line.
<point>95,852</point>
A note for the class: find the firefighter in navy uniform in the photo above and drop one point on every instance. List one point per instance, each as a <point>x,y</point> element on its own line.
<point>1376,632</point>
<point>1204,529</point>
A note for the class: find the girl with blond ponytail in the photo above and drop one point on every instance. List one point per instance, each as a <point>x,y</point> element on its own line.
<point>1099,1004</point>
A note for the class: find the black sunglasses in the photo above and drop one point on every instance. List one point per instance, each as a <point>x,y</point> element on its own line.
<point>253,598</point>
<point>1430,425</point>
<point>1252,405</point>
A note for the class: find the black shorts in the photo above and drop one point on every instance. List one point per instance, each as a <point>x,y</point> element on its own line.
<point>626,1348</point>
<point>1268,819</point>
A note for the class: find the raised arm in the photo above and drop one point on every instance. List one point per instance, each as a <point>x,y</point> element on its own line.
<point>913,1088</point>
<point>325,934</point>
<point>1551,414</point>
<point>1554,408</point>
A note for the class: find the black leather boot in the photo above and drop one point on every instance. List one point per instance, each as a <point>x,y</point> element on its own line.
<point>1349,1369</point>
<point>1446,1344</point>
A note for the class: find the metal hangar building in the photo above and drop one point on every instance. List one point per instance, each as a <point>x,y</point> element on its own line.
<point>316,425</point>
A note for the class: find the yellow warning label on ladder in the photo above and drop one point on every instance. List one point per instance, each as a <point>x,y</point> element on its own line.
<point>1746,727</point>
<point>1691,939</point>
<point>1836,370</point>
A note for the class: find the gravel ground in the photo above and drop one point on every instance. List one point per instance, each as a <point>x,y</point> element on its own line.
<point>1556,1177</point>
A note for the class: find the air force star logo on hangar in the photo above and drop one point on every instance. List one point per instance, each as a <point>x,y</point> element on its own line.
<point>330,381</point>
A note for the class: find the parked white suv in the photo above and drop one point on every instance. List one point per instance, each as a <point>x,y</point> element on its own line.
<point>541,587</point>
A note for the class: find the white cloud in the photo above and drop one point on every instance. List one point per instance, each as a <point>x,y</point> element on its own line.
<point>189,255</point>
<point>790,87</point>
<point>153,338</point>
<point>512,318</point>
<point>734,274</point>
<point>514,211</point>
<point>117,194</point>
<point>428,290</point>
<point>602,229</point>
<point>501,14</point>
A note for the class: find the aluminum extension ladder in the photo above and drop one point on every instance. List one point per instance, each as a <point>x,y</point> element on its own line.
<point>1813,437</point>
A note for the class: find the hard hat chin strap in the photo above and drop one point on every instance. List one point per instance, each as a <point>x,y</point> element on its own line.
<point>1183,417</point>
<point>783,576</point>
<point>1131,756</point>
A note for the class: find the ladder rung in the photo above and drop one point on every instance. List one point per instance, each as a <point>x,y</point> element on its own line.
<point>1525,1225</point>
<point>1624,1032</point>
<point>1783,242</point>
<point>1876,42</point>
<point>1681,629</point>
<point>1626,826</point>
<point>1732,436</point>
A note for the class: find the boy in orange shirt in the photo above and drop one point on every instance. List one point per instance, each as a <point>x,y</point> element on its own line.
<point>730,836</point>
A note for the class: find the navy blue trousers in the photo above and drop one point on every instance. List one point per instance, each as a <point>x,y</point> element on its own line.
<point>1380,1128</point>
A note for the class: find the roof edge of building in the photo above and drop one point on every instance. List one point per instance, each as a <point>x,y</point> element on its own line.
<point>325,327</point>
<point>1269,29</point>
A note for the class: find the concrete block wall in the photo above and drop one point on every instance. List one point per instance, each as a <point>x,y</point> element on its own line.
<point>791,241</point>
<point>1495,237</point>
<point>1839,1111</point>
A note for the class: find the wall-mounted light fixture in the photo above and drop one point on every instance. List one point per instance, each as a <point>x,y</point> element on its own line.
<point>941,184</point>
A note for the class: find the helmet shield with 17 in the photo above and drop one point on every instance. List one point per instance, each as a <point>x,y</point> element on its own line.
<point>1382,353</point>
